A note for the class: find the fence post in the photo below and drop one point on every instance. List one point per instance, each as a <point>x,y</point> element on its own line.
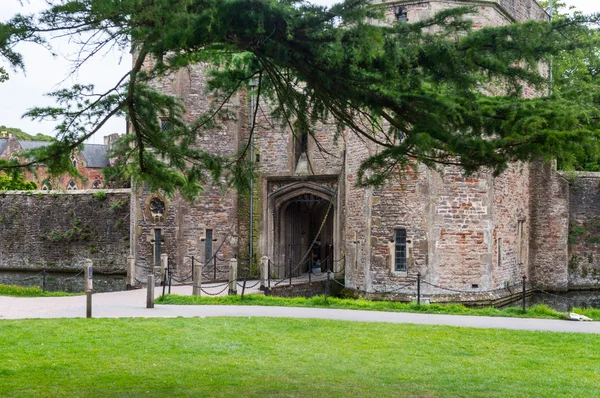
<point>89,286</point>
<point>170,277</point>
<point>197,281</point>
<point>44,280</point>
<point>269,275</point>
<point>246,270</point>
<point>215,266</point>
<point>193,273</point>
<point>310,264</point>
<point>327,285</point>
<point>130,272</point>
<point>290,272</point>
<point>524,292</point>
<point>233,276</point>
<point>263,272</point>
<point>150,292</point>
<point>164,260</point>
<point>418,288</point>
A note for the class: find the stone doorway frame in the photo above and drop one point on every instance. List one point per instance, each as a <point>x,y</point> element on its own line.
<point>279,194</point>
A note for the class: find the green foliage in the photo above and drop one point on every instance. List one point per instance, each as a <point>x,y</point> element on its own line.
<point>424,82</point>
<point>32,291</point>
<point>21,135</point>
<point>100,195</point>
<point>15,182</point>
<point>3,75</point>
<point>117,205</point>
<point>77,233</point>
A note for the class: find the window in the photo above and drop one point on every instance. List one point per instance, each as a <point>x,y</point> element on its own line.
<point>97,184</point>
<point>46,187</point>
<point>71,186</point>
<point>208,246</point>
<point>74,160</point>
<point>400,249</point>
<point>401,14</point>
<point>499,252</point>
<point>165,125</point>
<point>521,250</point>
<point>157,247</point>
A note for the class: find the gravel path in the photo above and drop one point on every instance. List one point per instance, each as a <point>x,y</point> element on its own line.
<point>133,304</point>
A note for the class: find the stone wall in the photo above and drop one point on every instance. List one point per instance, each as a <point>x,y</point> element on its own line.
<point>584,230</point>
<point>57,230</point>
<point>549,209</point>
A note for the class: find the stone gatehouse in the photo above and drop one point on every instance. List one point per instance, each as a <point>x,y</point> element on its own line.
<point>471,234</point>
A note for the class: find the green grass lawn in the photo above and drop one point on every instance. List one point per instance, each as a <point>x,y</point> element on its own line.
<point>537,311</point>
<point>257,357</point>
<point>33,291</point>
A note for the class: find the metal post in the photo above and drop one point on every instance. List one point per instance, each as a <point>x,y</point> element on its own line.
<point>418,288</point>
<point>44,280</point>
<point>290,272</point>
<point>170,277</point>
<point>269,275</point>
<point>150,292</point>
<point>233,276</point>
<point>309,269</point>
<point>246,270</point>
<point>89,286</point>
<point>524,292</point>
<point>327,285</point>
<point>215,266</point>
<point>193,274</point>
<point>197,281</point>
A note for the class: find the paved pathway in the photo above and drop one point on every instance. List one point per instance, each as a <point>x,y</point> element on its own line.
<point>132,304</point>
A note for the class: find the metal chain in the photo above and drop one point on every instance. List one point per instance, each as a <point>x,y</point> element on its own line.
<point>213,294</point>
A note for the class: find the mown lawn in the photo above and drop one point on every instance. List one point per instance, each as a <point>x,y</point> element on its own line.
<point>537,311</point>
<point>257,357</point>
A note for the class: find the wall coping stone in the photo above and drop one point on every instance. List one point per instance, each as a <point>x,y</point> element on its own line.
<point>64,192</point>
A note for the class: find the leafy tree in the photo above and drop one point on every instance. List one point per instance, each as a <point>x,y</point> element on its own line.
<point>15,183</point>
<point>431,82</point>
<point>3,75</point>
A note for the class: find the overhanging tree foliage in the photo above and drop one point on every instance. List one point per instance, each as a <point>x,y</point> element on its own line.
<point>454,95</point>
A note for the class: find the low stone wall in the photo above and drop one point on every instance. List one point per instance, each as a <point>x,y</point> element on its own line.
<point>57,230</point>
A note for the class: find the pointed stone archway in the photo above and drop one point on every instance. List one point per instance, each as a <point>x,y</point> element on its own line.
<point>303,228</point>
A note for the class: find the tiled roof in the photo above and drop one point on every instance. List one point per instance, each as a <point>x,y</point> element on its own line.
<point>95,155</point>
<point>3,145</point>
<point>26,145</point>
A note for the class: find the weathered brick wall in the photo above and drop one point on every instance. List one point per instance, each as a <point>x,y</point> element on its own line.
<point>461,217</point>
<point>584,230</point>
<point>184,225</point>
<point>549,209</point>
<point>490,13</point>
<point>510,208</point>
<point>58,230</point>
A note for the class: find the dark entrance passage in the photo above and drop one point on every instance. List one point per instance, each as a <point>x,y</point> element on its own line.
<point>306,234</point>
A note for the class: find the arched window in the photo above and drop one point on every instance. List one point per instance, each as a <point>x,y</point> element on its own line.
<point>46,187</point>
<point>14,158</point>
<point>72,185</point>
<point>74,160</point>
<point>97,184</point>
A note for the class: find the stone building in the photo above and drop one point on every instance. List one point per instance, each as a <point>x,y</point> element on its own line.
<point>470,235</point>
<point>89,163</point>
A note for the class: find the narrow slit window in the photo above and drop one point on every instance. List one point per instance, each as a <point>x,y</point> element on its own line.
<point>208,246</point>
<point>157,246</point>
<point>499,252</point>
<point>400,249</point>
